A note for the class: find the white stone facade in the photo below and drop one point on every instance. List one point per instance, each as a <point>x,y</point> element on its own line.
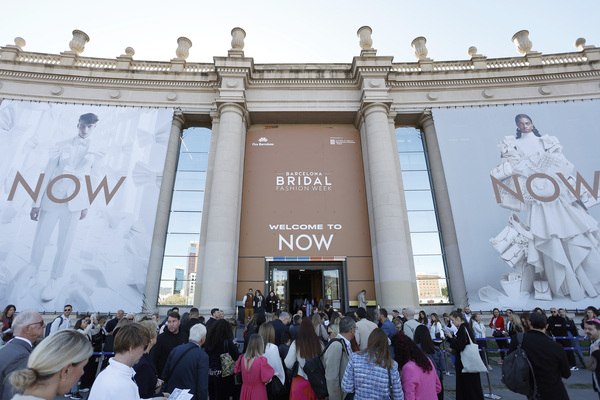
<point>371,92</point>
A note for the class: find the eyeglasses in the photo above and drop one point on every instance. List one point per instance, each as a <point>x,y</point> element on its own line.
<point>40,323</point>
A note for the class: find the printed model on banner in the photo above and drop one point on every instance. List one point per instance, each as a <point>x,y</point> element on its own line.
<point>555,251</point>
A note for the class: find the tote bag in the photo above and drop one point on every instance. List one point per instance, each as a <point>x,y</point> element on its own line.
<point>470,358</point>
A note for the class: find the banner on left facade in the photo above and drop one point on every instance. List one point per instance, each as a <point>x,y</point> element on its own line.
<point>78,196</point>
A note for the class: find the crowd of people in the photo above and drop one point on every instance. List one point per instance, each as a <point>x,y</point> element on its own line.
<point>325,354</point>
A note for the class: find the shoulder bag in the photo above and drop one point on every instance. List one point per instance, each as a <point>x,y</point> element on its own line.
<point>470,358</point>
<point>227,363</point>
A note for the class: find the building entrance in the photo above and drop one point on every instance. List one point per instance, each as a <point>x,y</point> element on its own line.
<point>303,287</point>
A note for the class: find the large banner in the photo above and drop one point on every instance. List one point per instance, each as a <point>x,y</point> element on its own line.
<point>79,189</point>
<point>523,183</point>
<point>304,193</point>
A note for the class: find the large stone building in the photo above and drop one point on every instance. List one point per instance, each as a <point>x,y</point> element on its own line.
<point>301,174</point>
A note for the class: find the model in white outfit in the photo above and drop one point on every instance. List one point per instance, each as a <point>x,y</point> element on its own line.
<point>565,247</point>
<point>74,157</point>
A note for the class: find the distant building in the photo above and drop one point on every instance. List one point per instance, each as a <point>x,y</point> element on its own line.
<point>178,282</point>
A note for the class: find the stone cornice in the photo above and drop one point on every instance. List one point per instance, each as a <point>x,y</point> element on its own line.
<point>495,80</point>
<point>103,81</point>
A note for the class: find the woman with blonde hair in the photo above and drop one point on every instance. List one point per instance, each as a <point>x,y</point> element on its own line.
<point>332,331</point>
<point>255,369</point>
<point>267,332</point>
<point>371,371</point>
<point>436,329</point>
<point>320,330</point>
<point>54,366</point>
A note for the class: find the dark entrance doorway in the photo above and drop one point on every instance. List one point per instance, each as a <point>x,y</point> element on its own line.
<point>305,286</point>
<point>294,282</point>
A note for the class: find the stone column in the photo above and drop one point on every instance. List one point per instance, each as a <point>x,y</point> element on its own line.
<point>395,278</point>
<point>162,214</point>
<point>458,291</point>
<point>206,207</point>
<point>222,227</point>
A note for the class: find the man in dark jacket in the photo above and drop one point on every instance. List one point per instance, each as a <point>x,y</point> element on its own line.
<point>281,328</point>
<point>187,366</point>
<point>214,315</point>
<point>167,341</point>
<point>548,359</point>
<point>28,326</point>
<point>572,333</point>
<point>194,319</point>
<point>557,326</point>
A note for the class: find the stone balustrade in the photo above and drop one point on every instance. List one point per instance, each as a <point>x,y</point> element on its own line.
<point>402,67</point>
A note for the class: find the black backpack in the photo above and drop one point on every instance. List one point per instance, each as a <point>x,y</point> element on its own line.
<point>49,326</point>
<point>315,371</point>
<point>517,372</point>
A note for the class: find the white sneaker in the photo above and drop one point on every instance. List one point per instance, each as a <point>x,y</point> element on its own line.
<point>51,290</point>
<point>490,368</point>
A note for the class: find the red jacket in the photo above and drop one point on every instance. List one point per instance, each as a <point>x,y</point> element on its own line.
<point>499,325</point>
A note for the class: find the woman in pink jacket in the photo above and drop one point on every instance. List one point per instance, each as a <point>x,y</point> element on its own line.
<point>419,379</point>
<point>255,369</point>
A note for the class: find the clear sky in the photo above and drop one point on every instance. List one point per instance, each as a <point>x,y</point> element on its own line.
<point>308,31</point>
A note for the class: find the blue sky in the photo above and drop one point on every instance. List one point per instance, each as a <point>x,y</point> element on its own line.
<point>310,31</point>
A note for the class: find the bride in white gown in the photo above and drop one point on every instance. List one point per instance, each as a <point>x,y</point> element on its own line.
<point>562,245</point>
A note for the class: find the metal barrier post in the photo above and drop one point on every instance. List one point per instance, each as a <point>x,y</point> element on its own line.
<point>489,395</point>
<point>448,362</point>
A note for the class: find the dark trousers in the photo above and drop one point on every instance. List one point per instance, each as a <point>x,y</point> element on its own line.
<point>502,344</point>
<point>570,355</point>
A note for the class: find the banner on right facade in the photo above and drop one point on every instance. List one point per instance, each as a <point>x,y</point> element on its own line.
<point>524,185</point>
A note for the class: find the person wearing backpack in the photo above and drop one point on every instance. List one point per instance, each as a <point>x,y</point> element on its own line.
<point>548,359</point>
<point>61,322</point>
<point>304,348</point>
<point>336,357</point>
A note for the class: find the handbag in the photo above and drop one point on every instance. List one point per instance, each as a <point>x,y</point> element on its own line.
<point>227,363</point>
<point>290,374</point>
<point>542,290</point>
<point>277,388</point>
<point>470,358</point>
<point>513,242</point>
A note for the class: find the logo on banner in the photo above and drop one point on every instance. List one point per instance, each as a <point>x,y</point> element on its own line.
<point>338,140</point>
<point>263,141</point>
<point>303,181</point>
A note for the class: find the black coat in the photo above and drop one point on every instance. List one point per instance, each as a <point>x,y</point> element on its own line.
<point>271,304</point>
<point>187,326</point>
<point>549,362</point>
<point>281,331</point>
<point>146,377</point>
<point>165,343</point>
<point>468,385</point>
